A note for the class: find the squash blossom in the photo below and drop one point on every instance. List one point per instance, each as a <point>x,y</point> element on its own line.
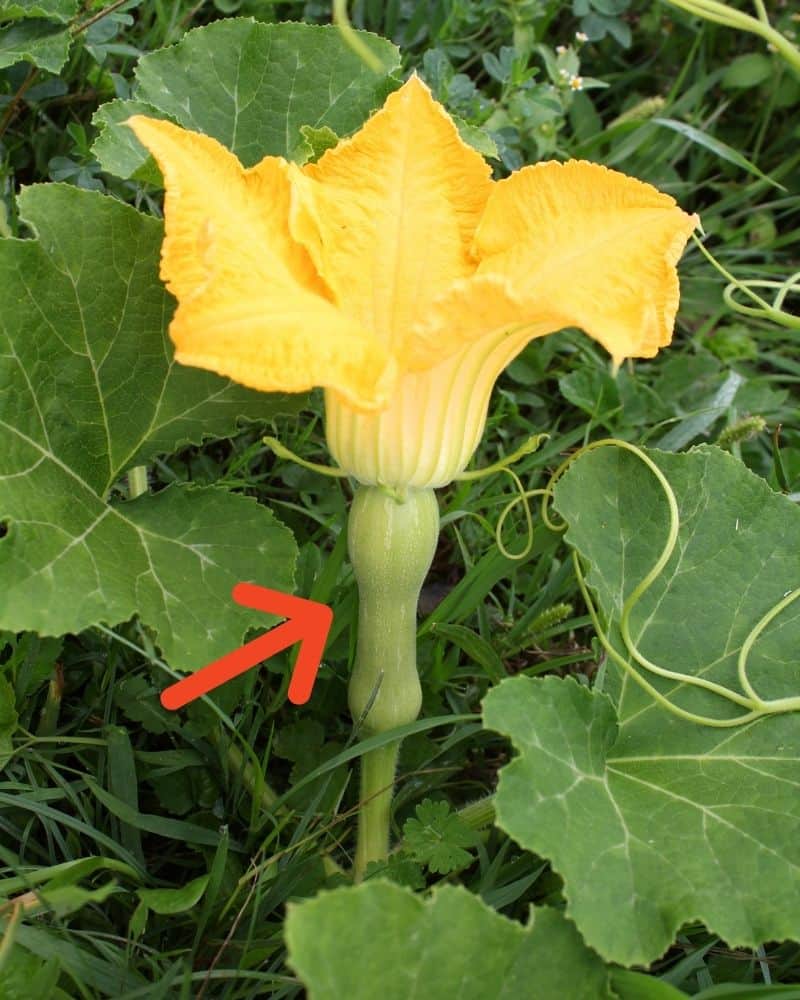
<point>397,275</point>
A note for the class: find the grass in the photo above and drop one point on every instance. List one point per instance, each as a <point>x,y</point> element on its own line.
<point>251,795</point>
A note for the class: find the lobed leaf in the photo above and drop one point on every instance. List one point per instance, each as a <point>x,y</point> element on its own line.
<point>379,939</point>
<point>437,836</point>
<point>55,10</point>
<point>252,86</point>
<point>44,43</point>
<point>652,820</point>
<point>88,388</point>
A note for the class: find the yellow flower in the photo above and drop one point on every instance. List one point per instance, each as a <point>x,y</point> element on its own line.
<point>399,276</point>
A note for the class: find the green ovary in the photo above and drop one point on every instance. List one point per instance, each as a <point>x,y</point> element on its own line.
<point>391,547</point>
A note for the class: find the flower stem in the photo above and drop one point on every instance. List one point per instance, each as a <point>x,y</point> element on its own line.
<point>391,545</point>
<point>374,816</point>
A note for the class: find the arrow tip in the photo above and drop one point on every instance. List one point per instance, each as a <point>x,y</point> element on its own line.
<point>241,591</point>
<point>172,699</point>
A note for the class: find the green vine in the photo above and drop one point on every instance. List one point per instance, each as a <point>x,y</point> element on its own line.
<point>352,38</point>
<point>773,311</point>
<point>757,707</point>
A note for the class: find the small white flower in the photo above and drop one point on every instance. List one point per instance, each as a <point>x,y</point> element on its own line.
<point>561,49</point>
<point>576,82</point>
<point>563,72</point>
<point>580,36</point>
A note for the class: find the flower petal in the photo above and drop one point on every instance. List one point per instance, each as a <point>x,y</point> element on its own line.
<point>251,305</point>
<point>389,214</point>
<point>591,246</point>
<point>484,307</point>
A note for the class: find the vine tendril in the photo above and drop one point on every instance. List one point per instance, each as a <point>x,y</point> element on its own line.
<point>533,443</point>
<point>773,311</point>
<point>756,706</point>
<point>751,700</point>
<point>352,38</point>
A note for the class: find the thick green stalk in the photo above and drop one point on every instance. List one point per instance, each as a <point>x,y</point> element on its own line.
<point>391,545</point>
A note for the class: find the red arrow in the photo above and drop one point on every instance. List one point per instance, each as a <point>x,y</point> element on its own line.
<point>308,623</point>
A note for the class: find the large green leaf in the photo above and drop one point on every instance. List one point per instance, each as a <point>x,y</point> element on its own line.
<point>380,940</point>
<point>55,10</point>
<point>653,820</point>
<point>88,388</point>
<point>735,558</point>
<point>43,43</point>
<point>118,149</point>
<point>251,86</point>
